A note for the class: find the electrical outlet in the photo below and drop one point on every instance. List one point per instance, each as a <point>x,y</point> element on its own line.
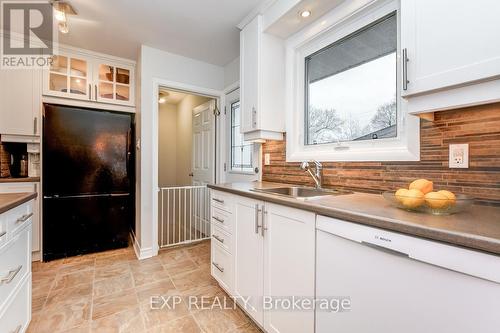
<point>459,156</point>
<point>267,159</point>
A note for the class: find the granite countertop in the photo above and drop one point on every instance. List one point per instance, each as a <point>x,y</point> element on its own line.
<point>477,228</point>
<point>12,200</point>
<point>20,180</point>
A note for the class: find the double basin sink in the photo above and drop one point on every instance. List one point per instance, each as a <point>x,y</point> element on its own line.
<point>299,192</point>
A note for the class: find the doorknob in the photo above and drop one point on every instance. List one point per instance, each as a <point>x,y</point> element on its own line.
<point>191,174</point>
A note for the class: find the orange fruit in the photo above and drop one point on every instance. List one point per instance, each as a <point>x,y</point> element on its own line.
<point>414,198</point>
<point>401,194</point>
<point>436,200</point>
<point>452,199</point>
<point>423,185</point>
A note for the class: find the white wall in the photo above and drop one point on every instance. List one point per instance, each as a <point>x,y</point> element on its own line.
<point>167,145</point>
<point>232,72</point>
<point>156,65</point>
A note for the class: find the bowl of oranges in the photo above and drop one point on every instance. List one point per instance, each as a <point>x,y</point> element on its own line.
<point>421,196</point>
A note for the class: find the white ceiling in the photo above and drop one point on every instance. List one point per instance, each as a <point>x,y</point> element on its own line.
<point>199,29</point>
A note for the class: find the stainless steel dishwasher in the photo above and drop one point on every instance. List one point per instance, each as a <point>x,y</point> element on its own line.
<point>397,283</point>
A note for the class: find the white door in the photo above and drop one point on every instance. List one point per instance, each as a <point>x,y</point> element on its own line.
<point>249,256</point>
<point>288,266</point>
<point>449,44</point>
<point>249,73</point>
<point>203,144</point>
<point>20,101</point>
<point>242,162</point>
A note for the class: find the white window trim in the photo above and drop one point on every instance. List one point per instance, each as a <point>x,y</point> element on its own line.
<point>335,25</point>
<point>255,152</point>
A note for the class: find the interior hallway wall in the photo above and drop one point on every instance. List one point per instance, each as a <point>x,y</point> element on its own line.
<point>167,145</point>
<point>155,64</point>
<point>185,137</point>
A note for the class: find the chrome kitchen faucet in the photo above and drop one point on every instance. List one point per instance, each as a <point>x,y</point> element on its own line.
<point>317,176</point>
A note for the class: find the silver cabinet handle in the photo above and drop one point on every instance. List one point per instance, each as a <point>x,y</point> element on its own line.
<point>24,218</point>
<point>90,92</point>
<point>257,211</point>
<point>35,125</point>
<point>18,329</point>
<point>11,275</point>
<point>3,233</point>
<point>218,238</point>
<point>95,92</point>
<point>218,219</point>
<point>254,117</point>
<point>218,200</point>
<point>404,61</point>
<point>220,268</point>
<point>263,228</point>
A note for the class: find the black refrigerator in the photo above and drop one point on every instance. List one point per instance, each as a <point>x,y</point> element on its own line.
<point>88,180</point>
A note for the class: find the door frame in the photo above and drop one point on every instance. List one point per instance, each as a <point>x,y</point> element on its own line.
<point>219,97</point>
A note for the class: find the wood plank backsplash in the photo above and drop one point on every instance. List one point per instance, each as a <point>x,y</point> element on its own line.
<point>478,126</point>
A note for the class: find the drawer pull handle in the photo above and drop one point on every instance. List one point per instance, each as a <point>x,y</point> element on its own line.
<point>12,274</point>
<point>218,219</point>
<point>221,269</point>
<point>3,233</point>
<point>218,238</point>
<point>218,200</point>
<point>24,218</point>
<point>18,329</point>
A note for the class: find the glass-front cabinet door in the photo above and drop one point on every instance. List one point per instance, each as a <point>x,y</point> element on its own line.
<point>68,77</point>
<point>114,83</point>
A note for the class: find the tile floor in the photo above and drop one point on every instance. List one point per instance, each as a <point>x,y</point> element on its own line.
<point>111,292</point>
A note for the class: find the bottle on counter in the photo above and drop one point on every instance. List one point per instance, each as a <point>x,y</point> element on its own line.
<point>23,166</point>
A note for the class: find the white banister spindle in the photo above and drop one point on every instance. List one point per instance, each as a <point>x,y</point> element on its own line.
<point>184,215</point>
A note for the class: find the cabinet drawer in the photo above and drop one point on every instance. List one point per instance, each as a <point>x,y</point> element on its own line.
<point>222,267</point>
<point>18,217</point>
<point>222,238</point>
<point>14,263</point>
<point>222,219</point>
<point>222,201</point>
<point>17,314</point>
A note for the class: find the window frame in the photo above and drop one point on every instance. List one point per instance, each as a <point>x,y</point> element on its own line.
<point>331,28</point>
<point>249,169</point>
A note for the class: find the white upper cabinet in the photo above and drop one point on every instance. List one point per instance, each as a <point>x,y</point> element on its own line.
<point>89,77</point>
<point>262,83</point>
<point>449,46</point>
<point>20,102</point>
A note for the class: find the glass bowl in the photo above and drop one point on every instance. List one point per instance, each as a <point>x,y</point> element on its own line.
<point>433,206</point>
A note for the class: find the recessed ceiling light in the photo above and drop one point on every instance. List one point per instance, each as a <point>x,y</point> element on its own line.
<point>305,13</point>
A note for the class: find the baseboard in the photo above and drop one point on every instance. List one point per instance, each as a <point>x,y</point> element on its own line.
<point>143,253</point>
<point>36,256</point>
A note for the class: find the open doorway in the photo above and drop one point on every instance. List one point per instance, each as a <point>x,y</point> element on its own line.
<point>186,164</point>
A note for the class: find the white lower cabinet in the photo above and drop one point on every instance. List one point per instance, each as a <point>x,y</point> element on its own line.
<point>249,256</point>
<point>15,269</point>
<point>272,249</point>
<point>289,268</point>
<point>36,220</point>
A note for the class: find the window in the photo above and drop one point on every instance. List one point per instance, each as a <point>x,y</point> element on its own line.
<point>241,152</point>
<point>344,95</point>
<point>351,87</point>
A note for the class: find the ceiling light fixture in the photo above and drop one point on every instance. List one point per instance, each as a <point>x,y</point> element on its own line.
<point>305,13</point>
<point>61,11</point>
<point>63,27</point>
<point>162,97</point>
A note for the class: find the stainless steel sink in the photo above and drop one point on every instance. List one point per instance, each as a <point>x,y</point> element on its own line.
<point>299,192</point>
